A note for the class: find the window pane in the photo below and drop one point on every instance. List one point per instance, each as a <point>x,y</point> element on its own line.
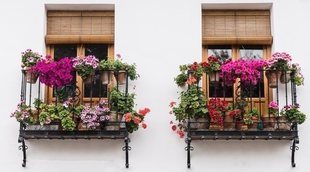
<point>253,52</point>
<point>64,50</point>
<point>220,89</point>
<point>60,51</point>
<point>98,89</point>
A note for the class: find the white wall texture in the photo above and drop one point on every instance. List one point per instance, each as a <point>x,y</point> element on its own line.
<point>158,35</point>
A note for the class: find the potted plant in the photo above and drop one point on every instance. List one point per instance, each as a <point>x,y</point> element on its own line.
<point>250,118</point>
<point>249,71</point>
<point>292,114</point>
<point>190,74</point>
<point>276,66</point>
<point>55,73</point>
<point>91,117</point>
<point>212,68</point>
<point>230,118</point>
<point>297,77</point>
<point>25,114</point>
<point>134,119</point>
<point>217,109</point>
<point>192,107</point>
<point>270,120</point>
<point>86,67</point>
<point>30,59</point>
<point>106,70</point>
<point>120,104</point>
<point>122,68</point>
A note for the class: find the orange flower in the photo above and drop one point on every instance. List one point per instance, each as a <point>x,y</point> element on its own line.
<point>137,120</point>
<point>191,80</point>
<point>144,125</point>
<point>128,117</point>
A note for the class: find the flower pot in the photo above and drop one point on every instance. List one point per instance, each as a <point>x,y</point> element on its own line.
<point>89,79</point>
<point>31,76</point>
<point>283,123</point>
<point>273,76</point>
<point>285,77</point>
<point>214,77</point>
<point>229,123</point>
<point>216,127</point>
<point>120,77</point>
<point>199,123</point>
<point>269,123</point>
<point>105,77</point>
<point>253,126</point>
<point>114,122</point>
<point>241,126</point>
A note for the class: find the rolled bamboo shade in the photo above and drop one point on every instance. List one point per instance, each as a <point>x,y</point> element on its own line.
<point>80,27</point>
<point>236,27</point>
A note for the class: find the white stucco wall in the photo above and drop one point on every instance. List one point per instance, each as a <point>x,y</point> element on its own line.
<point>158,35</point>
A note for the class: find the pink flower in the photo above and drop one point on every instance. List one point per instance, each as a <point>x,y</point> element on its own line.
<point>128,117</point>
<point>137,120</point>
<point>144,125</point>
<point>172,104</point>
<point>273,105</point>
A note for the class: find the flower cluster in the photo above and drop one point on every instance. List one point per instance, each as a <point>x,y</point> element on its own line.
<point>55,73</point>
<point>279,61</point>
<point>293,114</point>
<point>235,113</point>
<point>23,113</point>
<point>249,71</point>
<point>92,116</point>
<point>213,65</point>
<point>85,66</point>
<point>217,109</point>
<point>134,119</point>
<point>30,58</point>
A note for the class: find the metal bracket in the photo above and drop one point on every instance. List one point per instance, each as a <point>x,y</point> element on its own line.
<point>294,148</point>
<point>23,148</point>
<point>188,148</point>
<point>127,148</point>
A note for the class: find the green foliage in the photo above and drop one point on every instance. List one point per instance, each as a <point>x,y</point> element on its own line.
<point>192,104</point>
<point>120,102</point>
<point>293,114</point>
<point>106,65</point>
<point>249,116</point>
<point>181,79</point>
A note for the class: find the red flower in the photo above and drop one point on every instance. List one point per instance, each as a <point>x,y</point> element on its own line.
<point>174,127</point>
<point>144,125</point>
<point>128,117</point>
<point>172,104</point>
<point>144,111</point>
<point>191,80</point>
<point>137,120</point>
<point>204,64</point>
<point>181,133</point>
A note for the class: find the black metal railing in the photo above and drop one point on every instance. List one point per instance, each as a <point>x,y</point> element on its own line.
<point>72,91</point>
<point>268,125</point>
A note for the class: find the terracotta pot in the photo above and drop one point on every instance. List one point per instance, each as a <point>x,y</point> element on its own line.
<point>199,123</point>
<point>114,122</point>
<point>272,77</point>
<point>121,77</point>
<point>269,123</point>
<point>216,127</point>
<point>283,123</point>
<point>241,126</point>
<point>253,126</point>
<point>105,77</point>
<point>214,77</point>
<point>31,76</point>
<point>229,123</point>
<point>285,77</point>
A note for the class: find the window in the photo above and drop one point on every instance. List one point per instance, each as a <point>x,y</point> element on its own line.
<point>235,34</point>
<point>80,33</point>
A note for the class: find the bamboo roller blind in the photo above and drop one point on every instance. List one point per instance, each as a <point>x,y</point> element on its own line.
<point>80,27</point>
<point>236,27</point>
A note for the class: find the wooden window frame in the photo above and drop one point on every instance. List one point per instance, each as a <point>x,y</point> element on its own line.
<point>48,91</point>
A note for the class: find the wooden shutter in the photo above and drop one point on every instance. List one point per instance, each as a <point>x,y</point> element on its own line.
<point>80,27</point>
<point>236,27</point>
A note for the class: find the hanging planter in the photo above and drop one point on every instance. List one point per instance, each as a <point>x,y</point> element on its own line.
<point>106,77</point>
<point>285,77</point>
<point>120,77</point>
<point>31,76</point>
<point>283,123</point>
<point>273,76</point>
